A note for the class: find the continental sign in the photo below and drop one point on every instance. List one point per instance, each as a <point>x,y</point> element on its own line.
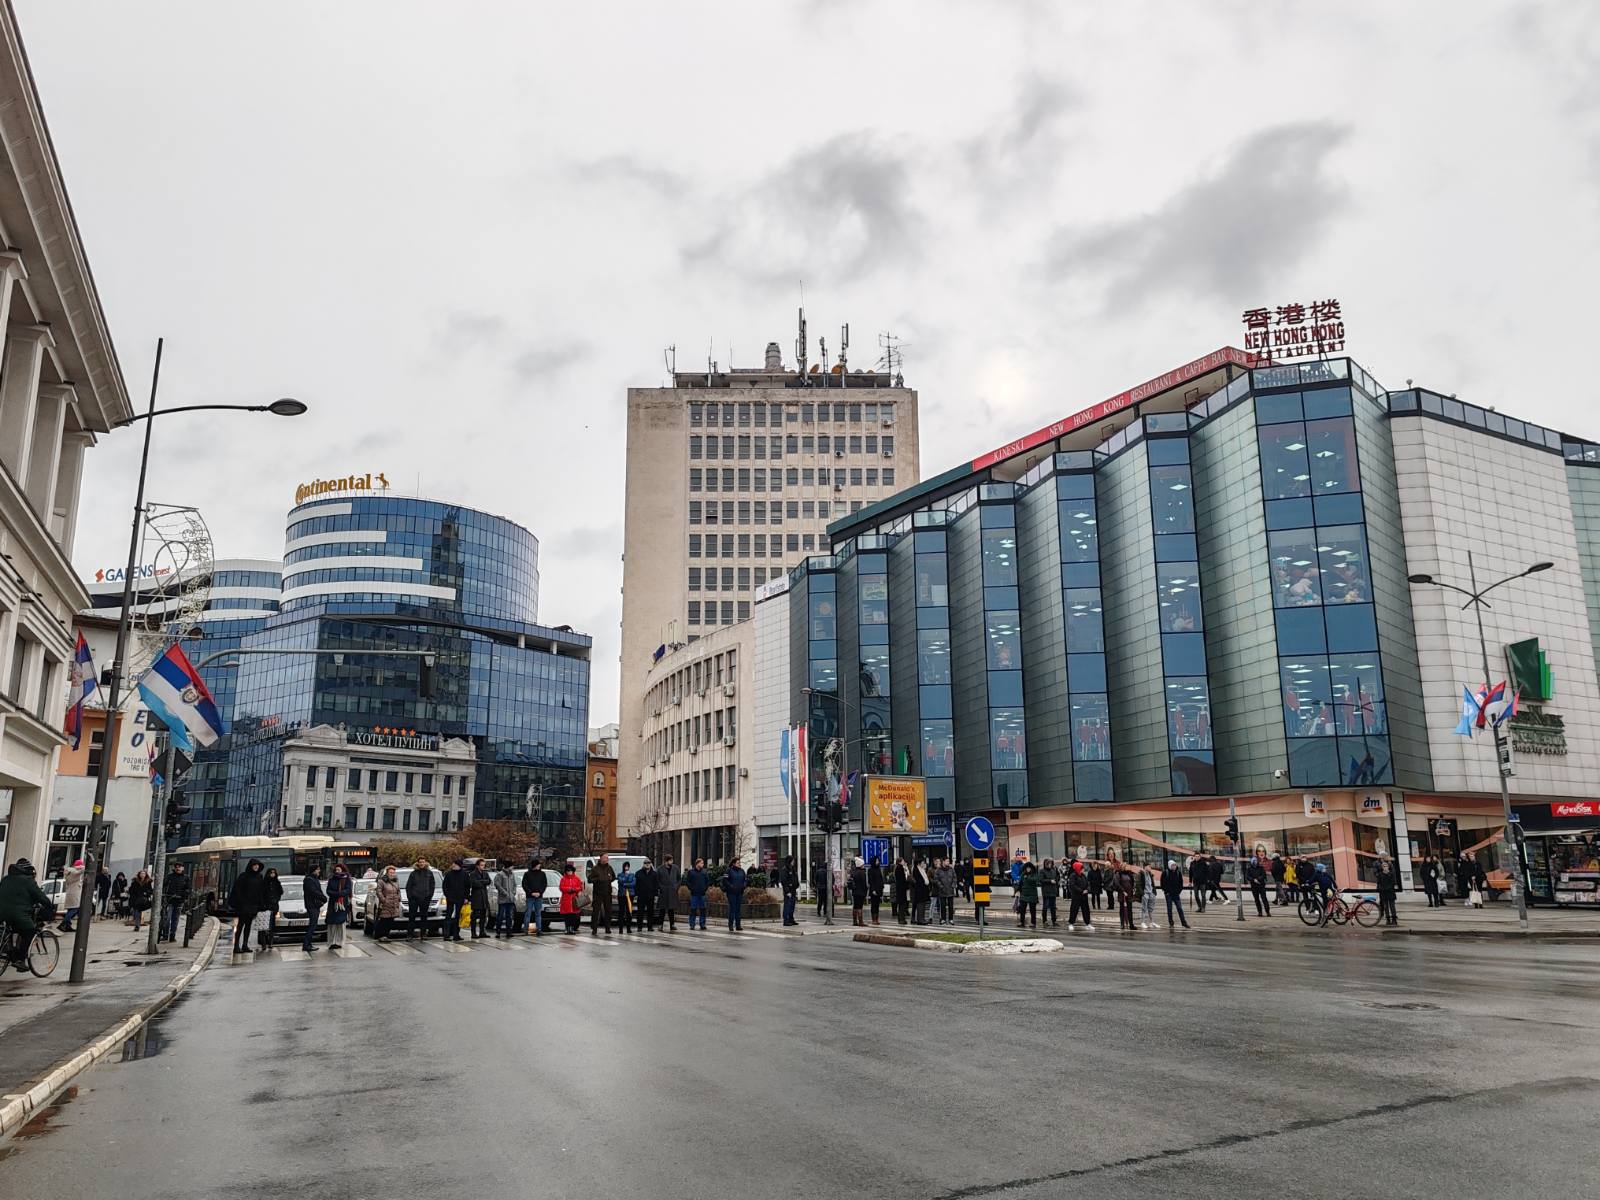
<point>346,483</point>
<point>896,804</point>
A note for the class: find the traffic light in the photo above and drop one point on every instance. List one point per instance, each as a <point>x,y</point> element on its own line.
<point>173,817</point>
<point>823,810</point>
<point>1232,826</point>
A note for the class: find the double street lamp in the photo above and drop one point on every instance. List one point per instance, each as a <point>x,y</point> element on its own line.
<point>285,407</point>
<point>1475,601</point>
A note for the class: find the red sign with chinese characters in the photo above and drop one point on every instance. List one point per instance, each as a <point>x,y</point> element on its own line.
<point>1295,330</point>
<point>1161,383</point>
<point>1576,808</point>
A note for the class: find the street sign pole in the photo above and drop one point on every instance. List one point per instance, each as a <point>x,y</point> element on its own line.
<point>1238,865</point>
<point>156,900</point>
<point>980,836</point>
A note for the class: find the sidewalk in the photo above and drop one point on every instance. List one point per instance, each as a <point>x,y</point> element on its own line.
<point>50,1029</point>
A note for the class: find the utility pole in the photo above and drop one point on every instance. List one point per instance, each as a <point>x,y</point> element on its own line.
<point>162,800</point>
<point>1238,864</point>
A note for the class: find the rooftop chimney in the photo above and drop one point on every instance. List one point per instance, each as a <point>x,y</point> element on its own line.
<point>774,357</point>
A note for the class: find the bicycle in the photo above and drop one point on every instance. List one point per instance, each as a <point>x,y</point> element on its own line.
<point>1364,912</point>
<point>43,952</point>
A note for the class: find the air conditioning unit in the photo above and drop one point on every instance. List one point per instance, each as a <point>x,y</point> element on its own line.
<point>728,740</point>
<point>838,487</point>
<point>744,772</point>
<point>727,690</point>
<point>838,453</point>
<point>888,422</point>
<point>693,750</point>
<point>701,692</point>
<point>888,453</point>
<point>677,700</point>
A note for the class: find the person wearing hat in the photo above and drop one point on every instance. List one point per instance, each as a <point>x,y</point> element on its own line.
<point>1172,887</point>
<point>858,891</point>
<point>73,878</point>
<point>1077,884</point>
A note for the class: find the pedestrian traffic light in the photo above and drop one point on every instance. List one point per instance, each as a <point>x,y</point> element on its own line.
<point>1232,826</point>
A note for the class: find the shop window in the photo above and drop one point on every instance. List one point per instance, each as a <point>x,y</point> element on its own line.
<point>1005,641</point>
<point>1007,739</point>
<point>932,580</point>
<point>1091,728</point>
<point>1307,697</point>
<point>1188,714</point>
<point>933,655</point>
<point>1356,685</point>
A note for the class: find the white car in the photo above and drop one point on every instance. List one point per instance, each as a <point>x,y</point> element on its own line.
<point>367,902</point>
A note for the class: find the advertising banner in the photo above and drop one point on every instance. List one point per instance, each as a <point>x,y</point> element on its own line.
<point>896,804</point>
<point>134,741</point>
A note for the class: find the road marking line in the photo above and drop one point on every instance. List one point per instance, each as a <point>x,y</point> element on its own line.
<point>451,946</point>
<point>398,950</point>
<point>292,955</point>
<point>349,951</point>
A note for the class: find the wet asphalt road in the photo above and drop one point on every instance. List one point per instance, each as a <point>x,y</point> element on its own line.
<point>1226,1066</point>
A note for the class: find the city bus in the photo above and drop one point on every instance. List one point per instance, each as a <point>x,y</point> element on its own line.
<point>216,862</point>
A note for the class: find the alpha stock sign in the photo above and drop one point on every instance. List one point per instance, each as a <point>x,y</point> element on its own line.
<point>1295,330</point>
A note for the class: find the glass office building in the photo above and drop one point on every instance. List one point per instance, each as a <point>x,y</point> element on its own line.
<point>1199,590</point>
<point>369,576</point>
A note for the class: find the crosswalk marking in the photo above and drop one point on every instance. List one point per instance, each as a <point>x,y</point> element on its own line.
<point>396,948</point>
<point>349,951</point>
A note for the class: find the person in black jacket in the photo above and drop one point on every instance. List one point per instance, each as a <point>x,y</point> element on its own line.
<point>1172,889</point>
<point>274,887</point>
<point>1255,874</point>
<point>1429,870</point>
<point>1199,877</point>
<point>419,898</point>
<point>734,882</point>
<point>1388,881</point>
<point>1077,885</point>
<point>481,881</point>
<point>789,880</point>
<point>248,897</point>
<point>315,900</point>
<point>534,883</point>
<point>698,883</point>
<point>1278,875</point>
<point>646,890</point>
<point>1216,872</point>
<point>900,894</point>
<point>668,892</point>
<point>875,889</point>
<point>457,887</point>
<point>858,892</point>
<point>175,891</point>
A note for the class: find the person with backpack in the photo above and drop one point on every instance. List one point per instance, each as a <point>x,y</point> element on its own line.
<point>1172,888</point>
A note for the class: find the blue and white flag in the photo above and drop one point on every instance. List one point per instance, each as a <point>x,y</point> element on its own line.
<point>1469,712</point>
<point>174,691</point>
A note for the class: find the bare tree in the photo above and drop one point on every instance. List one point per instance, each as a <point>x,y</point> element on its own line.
<point>648,832</point>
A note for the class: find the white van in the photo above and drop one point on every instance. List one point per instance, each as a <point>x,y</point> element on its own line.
<point>552,891</point>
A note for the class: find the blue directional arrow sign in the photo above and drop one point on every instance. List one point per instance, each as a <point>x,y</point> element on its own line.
<point>980,833</point>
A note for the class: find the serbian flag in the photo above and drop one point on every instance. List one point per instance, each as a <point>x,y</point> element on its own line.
<point>1488,699</point>
<point>174,691</point>
<point>1505,711</point>
<point>85,680</point>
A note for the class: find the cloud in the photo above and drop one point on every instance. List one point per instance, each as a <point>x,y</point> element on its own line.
<point>540,361</point>
<point>1025,147</point>
<point>584,542</point>
<point>632,171</point>
<point>1263,209</point>
<point>460,332</point>
<point>463,333</point>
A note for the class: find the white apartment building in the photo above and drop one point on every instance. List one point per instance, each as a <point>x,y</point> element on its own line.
<point>732,478</point>
<point>60,385</point>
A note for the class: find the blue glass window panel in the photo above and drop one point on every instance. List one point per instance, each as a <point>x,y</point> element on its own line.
<point>1283,407</point>
<point>933,576</point>
<point>933,655</point>
<point>1289,514</point>
<point>938,748</point>
<point>875,635</point>
<point>1331,451</point>
<point>997,516</point>
<point>1080,536</point>
<point>1091,782</point>
<point>1300,631</point>
<point>1351,628</point>
<point>1163,452</point>
<point>1085,628</point>
<point>933,618</point>
<point>1357,685</point>
<point>929,543</point>
<point>1004,631</point>
<point>824,618</point>
<point>1178,594</point>
<point>1194,773</point>
<point>1313,762</point>
<point>1171,500</point>
<point>935,702</point>
<point>1005,687</point>
<point>1010,789</point>
<point>1336,510</point>
<point>1327,402</point>
<point>874,675</point>
<point>1183,654</point>
<point>999,597</point>
<point>1343,551</point>
<point>1365,760</point>
<point>1075,487</point>
<point>824,649</point>
<point>1189,713</point>
<point>1086,672</point>
<point>1080,575</point>
<point>871,564</point>
<point>1176,547</point>
<point>821,582</point>
<point>1285,469</point>
<point>1000,557</point>
<point>1007,739</point>
<point>1307,696</point>
<point>1091,726</point>
<point>1296,578</point>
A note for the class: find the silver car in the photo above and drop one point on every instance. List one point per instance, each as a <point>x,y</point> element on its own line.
<point>366,902</point>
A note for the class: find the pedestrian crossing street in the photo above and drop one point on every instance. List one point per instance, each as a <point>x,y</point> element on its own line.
<point>359,947</point>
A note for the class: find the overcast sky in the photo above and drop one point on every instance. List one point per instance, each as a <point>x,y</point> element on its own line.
<point>460,231</point>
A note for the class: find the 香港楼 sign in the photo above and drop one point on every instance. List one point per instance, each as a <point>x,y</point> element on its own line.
<point>1295,330</point>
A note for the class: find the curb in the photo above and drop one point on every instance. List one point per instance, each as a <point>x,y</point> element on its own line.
<point>1511,935</point>
<point>19,1109</point>
<point>997,947</point>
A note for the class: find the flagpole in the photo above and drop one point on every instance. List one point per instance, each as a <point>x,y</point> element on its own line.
<point>91,862</point>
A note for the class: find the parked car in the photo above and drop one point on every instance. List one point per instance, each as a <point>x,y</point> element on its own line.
<point>366,902</point>
<point>292,912</point>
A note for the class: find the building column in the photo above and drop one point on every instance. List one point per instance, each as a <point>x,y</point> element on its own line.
<point>12,272</point>
<point>28,835</point>
<point>44,458</point>
<point>19,396</point>
<point>69,485</point>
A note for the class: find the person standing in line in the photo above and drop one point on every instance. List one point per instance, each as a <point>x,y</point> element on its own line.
<point>921,892</point>
<point>1078,897</point>
<point>1480,877</point>
<point>647,889</point>
<point>1172,888</point>
<point>1093,878</point>
<point>571,889</point>
<point>534,883</point>
<point>481,882</point>
<point>1149,885</point>
<point>1463,873</point>
<point>1277,871</point>
<point>858,891</point>
<point>669,893</point>
<point>174,894</point>
<point>1291,880</point>
<point>457,889</point>
<point>274,899</point>
<point>1388,880</point>
<point>102,889</point>
<point>1050,890</point>
<point>141,893</point>
<point>387,890</point>
<point>900,892</point>
<point>247,897</point>
<point>419,899</point>
<point>1124,885</point>
<point>789,880</point>
<point>1255,874</point>
<point>602,877</point>
<point>698,883</point>
<point>1199,878</point>
<point>817,890</point>
<point>875,888</point>
<point>1028,896</point>
<point>315,900</point>
<point>733,885</point>
<point>341,889</point>
<point>119,892</point>
<point>944,890</point>
<point>505,899</point>
<point>73,899</point>
<point>627,901</point>
<point>1429,870</point>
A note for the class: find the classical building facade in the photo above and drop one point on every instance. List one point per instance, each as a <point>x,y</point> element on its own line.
<point>60,387</point>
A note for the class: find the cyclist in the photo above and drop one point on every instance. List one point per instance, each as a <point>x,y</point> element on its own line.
<point>19,897</point>
<point>1322,884</point>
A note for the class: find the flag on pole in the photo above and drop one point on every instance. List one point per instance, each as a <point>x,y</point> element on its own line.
<point>1506,709</point>
<point>85,682</point>
<point>1469,710</point>
<point>174,691</point>
<point>1488,698</point>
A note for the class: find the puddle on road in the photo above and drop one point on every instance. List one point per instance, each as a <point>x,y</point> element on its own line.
<point>42,1124</point>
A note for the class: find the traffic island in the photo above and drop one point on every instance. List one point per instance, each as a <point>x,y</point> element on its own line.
<point>963,943</point>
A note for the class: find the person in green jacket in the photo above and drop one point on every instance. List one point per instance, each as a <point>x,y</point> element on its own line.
<point>18,896</point>
<point>1028,896</point>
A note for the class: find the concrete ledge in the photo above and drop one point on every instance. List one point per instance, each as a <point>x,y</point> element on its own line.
<point>17,1109</point>
<point>1512,935</point>
<point>994,946</point>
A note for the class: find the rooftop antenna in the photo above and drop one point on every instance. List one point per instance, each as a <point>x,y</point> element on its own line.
<point>801,350</point>
<point>893,360</point>
<point>670,357</point>
<point>844,356</point>
<point>711,363</point>
<point>822,357</point>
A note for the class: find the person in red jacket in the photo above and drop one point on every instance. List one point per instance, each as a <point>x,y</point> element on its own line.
<point>571,889</point>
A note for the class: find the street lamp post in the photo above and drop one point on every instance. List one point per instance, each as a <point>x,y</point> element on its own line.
<point>1476,602</point>
<point>283,408</point>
